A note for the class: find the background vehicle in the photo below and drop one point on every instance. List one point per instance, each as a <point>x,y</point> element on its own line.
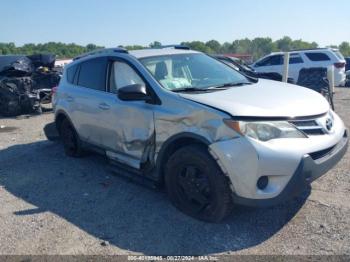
<point>347,71</point>
<point>347,66</point>
<point>241,66</point>
<point>208,133</point>
<point>299,59</point>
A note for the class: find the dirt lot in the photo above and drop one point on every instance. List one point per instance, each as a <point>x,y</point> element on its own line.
<point>52,204</point>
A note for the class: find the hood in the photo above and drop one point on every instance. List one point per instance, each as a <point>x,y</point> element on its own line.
<point>265,98</point>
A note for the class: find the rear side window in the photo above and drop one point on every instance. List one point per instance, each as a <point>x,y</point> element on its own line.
<point>71,71</point>
<point>295,59</point>
<point>317,56</point>
<point>92,74</point>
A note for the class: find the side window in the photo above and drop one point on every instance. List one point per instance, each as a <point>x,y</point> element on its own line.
<point>92,74</point>
<point>276,60</point>
<point>263,61</point>
<point>271,61</point>
<point>317,56</point>
<point>295,59</point>
<point>122,75</point>
<point>71,71</point>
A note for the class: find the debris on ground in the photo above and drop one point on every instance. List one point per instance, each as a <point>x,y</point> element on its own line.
<point>104,243</point>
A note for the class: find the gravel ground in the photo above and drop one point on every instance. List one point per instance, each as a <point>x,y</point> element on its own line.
<point>52,204</point>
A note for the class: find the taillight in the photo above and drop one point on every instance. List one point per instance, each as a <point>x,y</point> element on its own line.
<point>339,65</point>
<point>54,90</point>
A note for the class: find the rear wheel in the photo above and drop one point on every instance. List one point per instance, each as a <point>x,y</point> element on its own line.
<point>70,139</point>
<point>196,184</point>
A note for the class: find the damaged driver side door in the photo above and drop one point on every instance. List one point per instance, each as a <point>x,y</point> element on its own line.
<point>127,127</point>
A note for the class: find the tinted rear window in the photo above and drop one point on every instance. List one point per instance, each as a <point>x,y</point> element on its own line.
<point>295,59</point>
<point>71,73</point>
<point>92,74</point>
<point>317,56</point>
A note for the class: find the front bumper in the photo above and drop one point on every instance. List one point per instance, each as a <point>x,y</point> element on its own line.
<point>308,170</point>
<point>289,165</point>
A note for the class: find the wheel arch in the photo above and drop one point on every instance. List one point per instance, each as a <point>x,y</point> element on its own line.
<point>173,144</point>
<point>59,117</point>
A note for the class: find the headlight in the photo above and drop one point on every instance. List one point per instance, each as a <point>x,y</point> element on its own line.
<point>265,131</point>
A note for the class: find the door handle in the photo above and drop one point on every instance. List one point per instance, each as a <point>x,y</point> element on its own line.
<point>104,106</point>
<point>70,99</point>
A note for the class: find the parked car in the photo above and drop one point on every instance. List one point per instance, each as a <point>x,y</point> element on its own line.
<point>347,71</point>
<point>347,66</point>
<point>299,59</point>
<point>209,134</point>
<point>241,66</point>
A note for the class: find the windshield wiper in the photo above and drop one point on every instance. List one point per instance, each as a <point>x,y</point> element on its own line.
<point>230,85</point>
<point>189,89</point>
<point>196,89</point>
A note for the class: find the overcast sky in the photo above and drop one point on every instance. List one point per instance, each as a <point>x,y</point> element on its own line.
<point>118,22</point>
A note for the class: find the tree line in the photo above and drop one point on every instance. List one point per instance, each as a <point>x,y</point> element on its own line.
<point>256,47</point>
<point>61,50</point>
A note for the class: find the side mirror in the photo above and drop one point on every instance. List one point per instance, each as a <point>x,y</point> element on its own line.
<point>135,92</point>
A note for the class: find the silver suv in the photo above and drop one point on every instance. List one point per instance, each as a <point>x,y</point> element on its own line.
<point>210,135</point>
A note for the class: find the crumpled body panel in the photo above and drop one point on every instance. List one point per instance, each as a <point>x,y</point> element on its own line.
<point>182,115</point>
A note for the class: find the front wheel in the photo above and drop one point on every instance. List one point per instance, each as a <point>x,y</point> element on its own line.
<point>196,184</point>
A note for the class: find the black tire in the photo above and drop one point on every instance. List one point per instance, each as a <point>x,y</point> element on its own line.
<point>70,140</point>
<point>9,108</point>
<point>196,184</point>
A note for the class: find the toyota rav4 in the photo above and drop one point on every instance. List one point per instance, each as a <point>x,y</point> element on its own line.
<point>210,135</point>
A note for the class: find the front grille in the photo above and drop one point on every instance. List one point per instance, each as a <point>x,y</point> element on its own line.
<point>309,127</point>
<point>319,154</point>
<point>314,132</point>
<point>302,123</point>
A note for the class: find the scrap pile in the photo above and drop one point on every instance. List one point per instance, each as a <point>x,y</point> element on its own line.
<point>26,83</point>
<point>316,79</point>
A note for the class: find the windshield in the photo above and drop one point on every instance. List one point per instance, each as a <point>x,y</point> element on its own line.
<point>192,71</point>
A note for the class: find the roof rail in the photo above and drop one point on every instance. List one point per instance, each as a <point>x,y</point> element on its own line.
<point>311,49</point>
<point>183,47</point>
<point>103,51</point>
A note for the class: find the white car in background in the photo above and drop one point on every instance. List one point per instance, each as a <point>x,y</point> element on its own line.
<point>311,58</point>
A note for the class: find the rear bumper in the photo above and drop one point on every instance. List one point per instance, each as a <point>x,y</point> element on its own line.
<point>308,170</point>
<point>339,78</point>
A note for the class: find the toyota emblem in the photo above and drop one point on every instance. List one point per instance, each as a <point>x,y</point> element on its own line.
<point>329,124</point>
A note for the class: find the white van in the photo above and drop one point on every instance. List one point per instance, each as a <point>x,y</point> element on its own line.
<point>321,57</point>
